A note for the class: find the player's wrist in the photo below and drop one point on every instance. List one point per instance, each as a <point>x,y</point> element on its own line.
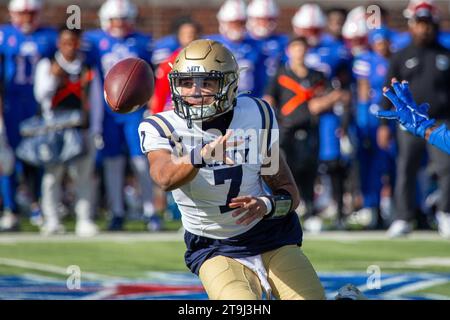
<point>429,131</point>
<point>422,128</point>
<point>268,203</point>
<point>281,205</point>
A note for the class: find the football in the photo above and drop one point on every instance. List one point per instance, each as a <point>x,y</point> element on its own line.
<point>129,85</point>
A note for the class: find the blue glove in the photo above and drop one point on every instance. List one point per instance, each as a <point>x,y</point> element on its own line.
<point>414,118</point>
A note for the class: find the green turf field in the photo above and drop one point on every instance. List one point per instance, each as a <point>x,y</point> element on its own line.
<point>134,256</point>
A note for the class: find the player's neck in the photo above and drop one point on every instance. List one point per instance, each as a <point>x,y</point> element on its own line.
<point>221,123</point>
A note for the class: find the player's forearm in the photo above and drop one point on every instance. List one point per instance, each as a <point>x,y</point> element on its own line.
<point>169,175</point>
<point>283,180</point>
<point>318,105</point>
<point>439,137</point>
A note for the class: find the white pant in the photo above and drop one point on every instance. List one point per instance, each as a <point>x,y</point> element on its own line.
<point>80,171</point>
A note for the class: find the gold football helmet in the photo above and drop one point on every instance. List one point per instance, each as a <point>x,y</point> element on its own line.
<point>203,81</point>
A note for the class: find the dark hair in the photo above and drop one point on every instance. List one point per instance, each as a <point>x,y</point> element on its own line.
<point>180,21</point>
<point>340,10</point>
<point>76,32</point>
<point>296,38</point>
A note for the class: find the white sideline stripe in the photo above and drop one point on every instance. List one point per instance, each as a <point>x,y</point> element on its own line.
<point>120,237</point>
<point>415,287</point>
<point>383,282</point>
<point>53,269</point>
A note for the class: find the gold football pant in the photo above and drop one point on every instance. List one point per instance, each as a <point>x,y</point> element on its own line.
<point>289,272</point>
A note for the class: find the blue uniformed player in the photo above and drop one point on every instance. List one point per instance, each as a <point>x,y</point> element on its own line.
<point>370,70</point>
<point>240,239</point>
<point>334,60</point>
<point>115,41</point>
<point>22,44</point>
<point>232,18</point>
<point>262,18</point>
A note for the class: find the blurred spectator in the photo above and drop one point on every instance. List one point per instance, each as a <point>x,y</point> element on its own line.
<point>299,95</point>
<point>335,21</point>
<point>355,31</point>
<point>375,165</point>
<point>118,40</point>
<point>164,47</point>
<point>161,100</point>
<point>232,18</point>
<point>261,24</point>
<point>402,39</point>
<point>22,44</point>
<point>61,84</point>
<point>332,59</point>
<point>425,64</point>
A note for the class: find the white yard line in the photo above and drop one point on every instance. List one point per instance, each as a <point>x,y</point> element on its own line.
<point>414,287</point>
<point>53,269</point>
<point>383,282</point>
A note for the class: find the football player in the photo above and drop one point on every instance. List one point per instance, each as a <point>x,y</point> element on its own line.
<point>332,59</point>
<point>115,41</point>
<point>232,18</point>
<point>370,70</point>
<point>22,44</point>
<point>239,238</point>
<point>262,18</point>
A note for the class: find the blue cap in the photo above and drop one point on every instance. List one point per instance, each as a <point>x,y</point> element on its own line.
<point>379,34</point>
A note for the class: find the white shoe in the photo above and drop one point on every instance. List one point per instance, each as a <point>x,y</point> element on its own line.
<point>51,228</point>
<point>350,292</point>
<point>313,225</point>
<point>366,217</point>
<point>399,228</point>
<point>443,220</point>
<point>9,221</point>
<point>86,228</point>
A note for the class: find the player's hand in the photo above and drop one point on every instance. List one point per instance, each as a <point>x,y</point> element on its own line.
<point>216,150</point>
<point>253,207</point>
<point>414,118</point>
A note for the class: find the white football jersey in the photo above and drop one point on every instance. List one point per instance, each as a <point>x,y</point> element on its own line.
<point>203,201</point>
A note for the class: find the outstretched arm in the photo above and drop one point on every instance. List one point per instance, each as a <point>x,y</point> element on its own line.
<point>414,118</point>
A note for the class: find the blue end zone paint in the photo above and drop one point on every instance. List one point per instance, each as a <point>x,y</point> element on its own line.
<point>185,286</point>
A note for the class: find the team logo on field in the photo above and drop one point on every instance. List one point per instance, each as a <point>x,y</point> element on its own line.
<point>182,286</point>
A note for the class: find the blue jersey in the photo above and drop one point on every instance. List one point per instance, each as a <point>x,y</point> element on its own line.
<point>250,58</point>
<point>103,51</point>
<point>163,48</point>
<point>21,52</point>
<point>273,48</point>
<point>330,58</point>
<point>373,67</point>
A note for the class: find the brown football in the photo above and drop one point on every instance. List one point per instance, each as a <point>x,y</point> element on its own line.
<point>128,85</point>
